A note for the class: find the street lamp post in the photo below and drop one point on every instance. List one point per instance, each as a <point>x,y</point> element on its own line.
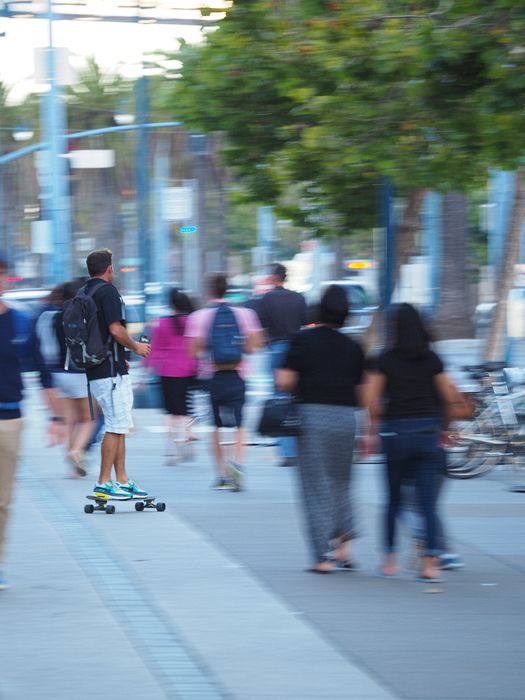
<point>55,200</point>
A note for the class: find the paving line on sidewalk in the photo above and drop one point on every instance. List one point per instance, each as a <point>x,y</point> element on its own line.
<point>178,672</point>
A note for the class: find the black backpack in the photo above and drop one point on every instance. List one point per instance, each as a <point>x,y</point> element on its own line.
<point>85,346</point>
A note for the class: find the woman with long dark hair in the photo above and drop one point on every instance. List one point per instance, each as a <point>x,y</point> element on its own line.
<point>323,369</point>
<point>407,390</point>
<point>70,382</point>
<point>171,361</point>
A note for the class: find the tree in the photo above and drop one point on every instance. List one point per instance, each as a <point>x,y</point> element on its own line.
<point>331,96</point>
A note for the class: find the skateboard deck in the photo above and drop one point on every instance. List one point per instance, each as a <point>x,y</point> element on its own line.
<point>141,503</point>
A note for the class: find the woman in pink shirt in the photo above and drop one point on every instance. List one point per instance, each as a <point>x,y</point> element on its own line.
<point>171,361</point>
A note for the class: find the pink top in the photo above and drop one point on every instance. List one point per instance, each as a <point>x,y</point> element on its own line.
<point>199,326</point>
<point>169,355</point>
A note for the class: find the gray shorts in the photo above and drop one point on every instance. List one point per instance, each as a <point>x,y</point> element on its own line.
<point>115,403</point>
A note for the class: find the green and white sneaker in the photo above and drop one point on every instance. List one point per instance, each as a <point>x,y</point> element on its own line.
<point>133,490</point>
<point>236,475</point>
<point>221,484</point>
<point>110,489</point>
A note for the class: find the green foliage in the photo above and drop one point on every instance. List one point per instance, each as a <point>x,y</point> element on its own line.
<point>326,98</point>
<point>93,101</point>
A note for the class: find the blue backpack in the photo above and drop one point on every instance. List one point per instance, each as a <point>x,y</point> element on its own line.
<point>225,341</point>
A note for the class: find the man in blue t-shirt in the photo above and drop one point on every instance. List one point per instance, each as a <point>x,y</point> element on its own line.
<point>19,348</point>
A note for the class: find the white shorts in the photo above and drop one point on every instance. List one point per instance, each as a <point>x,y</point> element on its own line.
<point>71,385</point>
<point>115,403</point>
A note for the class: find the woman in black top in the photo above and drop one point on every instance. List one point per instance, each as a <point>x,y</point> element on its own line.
<point>323,368</point>
<point>408,388</point>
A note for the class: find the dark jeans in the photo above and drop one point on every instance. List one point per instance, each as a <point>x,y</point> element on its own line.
<point>412,451</point>
<point>277,352</point>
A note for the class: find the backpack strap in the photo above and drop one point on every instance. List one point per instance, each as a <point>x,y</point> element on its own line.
<point>95,287</point>
<point>112,353</point>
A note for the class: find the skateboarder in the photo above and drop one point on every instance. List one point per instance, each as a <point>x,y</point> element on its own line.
<point>109,381</point>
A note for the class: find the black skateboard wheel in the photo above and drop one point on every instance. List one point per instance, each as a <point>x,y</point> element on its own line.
<point>139,506</point>
<point>88,508</point>
<point>160,507</point>
<point>110,510</point>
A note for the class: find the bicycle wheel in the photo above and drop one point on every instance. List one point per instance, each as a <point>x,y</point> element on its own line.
<point>470,459</point>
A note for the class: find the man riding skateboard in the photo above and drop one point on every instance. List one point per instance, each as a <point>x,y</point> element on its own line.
<point>109,381</point>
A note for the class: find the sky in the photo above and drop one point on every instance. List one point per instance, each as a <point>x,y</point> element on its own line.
<point>115,46</point>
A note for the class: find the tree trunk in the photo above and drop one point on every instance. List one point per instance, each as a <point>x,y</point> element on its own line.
<point>405,246</point>
<point>454,315</point>
<point>496,341</point>
<point>409,227</point>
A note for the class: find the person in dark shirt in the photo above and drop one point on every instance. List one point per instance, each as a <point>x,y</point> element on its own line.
<point>408,388</point>
<point>282,313</point>
<point>109,381</point>
<point>18,349</point>
<point>324,368</point>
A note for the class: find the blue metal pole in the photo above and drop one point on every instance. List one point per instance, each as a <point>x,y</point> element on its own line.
<point>432,243</point>
<point>126,127</point>
<point>57,202</point>
<point>28,150</point>
<point>141,177</point>
<point>21,152</point>
<point>160,257</point>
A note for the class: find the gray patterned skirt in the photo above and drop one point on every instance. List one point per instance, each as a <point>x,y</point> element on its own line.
<point>326,445</point>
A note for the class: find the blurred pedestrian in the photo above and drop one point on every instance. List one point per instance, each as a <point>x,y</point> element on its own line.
<point>45,329</point>
<point>18,350</point>
<point>71,385</point>
<point>324,369</point>
<point>171,360</point>
<point>407,390</point>
<point>282,313</point>
<point>223,334</point>
<point>109,380</point>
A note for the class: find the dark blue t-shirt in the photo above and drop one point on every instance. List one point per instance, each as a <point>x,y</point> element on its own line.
<point>10,369</point>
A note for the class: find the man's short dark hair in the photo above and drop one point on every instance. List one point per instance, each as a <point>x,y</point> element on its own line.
<point>217,285</point>
<point>334,306</point>
<point>98,261</point>
<point>279,271</point>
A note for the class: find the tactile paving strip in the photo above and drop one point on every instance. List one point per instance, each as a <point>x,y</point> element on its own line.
<point>174,667</point>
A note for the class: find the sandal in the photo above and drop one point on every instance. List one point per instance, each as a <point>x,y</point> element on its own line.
<point>347,565</point>
<point>429,579</point>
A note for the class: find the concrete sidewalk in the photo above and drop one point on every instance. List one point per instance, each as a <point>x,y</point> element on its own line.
<point>210,599</point>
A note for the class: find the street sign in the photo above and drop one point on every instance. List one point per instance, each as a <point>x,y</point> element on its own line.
<point>188,229</point>
<point>177,203</point>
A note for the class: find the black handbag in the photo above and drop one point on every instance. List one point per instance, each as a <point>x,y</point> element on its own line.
<point>279,418</point>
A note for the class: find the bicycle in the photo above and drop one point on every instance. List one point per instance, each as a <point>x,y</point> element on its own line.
<point>495,433</point>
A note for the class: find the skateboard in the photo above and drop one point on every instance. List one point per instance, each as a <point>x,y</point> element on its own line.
<point>141,503</point>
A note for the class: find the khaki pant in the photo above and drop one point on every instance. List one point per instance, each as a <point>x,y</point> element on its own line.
<point>10,431</point>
